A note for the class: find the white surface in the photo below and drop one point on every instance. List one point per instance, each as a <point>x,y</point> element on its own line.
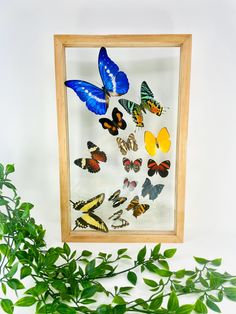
<point>28,111</point>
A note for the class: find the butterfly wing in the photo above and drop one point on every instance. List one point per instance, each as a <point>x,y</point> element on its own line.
<point>148,101</point>
<point>96,153</point>
<point>146,187</point>
<point>131,143</point>
<point>140,209</point>
<point>155,191</point>
<point>90,164</point>
<point>150,143</point>
<point>137,163</point>
<point>127,164</point>
<point>118,119</point>
<point>91,220</point>
<point>119,201</point>
<point>95,98</point>
<point>133,109</point>
<point>91,204</point>
<point>114,195</point>
<point>132,185</point>
<point>115,81</point>
<point>126,183</point>
<point>120,223</point>
<point>163,140</point>
<point>109,125</point>
<point>153,167</point>
<point>134,202</point>
<point>163,168</point>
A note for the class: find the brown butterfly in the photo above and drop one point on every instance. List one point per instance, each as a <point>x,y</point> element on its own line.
<point>115,124</point>
<point>137,208</point>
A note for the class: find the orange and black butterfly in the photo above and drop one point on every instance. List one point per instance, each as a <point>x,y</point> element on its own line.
<point>138,209</point>
<point>92,164</point>
<point>115,124</point>
<point>162,168</point>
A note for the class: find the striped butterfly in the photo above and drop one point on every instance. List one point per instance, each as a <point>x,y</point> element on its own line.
<point>125,146</point>
<point>116,199</point>
<point>162,168</point>
<point>137,208</point>
<point>118,221</point>
<point>147,103</point>
<point>87,217</point>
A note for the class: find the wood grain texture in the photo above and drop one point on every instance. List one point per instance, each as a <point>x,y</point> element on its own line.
<point>61,42</point>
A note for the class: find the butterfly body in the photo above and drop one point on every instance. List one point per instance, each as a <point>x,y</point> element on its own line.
<point>87,217</point>
<point>162,141</point>
<point>125,146</point>
<point>115,83</point>
<point>92,164</point>
<point>151,190</point>
<point>116,123</point>
<point>129,164</point>
<point>116,199</point>
<point>162,168</point>
<point>137,208</point>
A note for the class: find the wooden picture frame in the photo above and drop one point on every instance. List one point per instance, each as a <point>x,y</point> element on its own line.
<point>62,42</point>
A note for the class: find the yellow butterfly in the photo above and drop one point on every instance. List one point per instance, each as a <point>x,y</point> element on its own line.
<point>87,217</point>
<point>162,141</point>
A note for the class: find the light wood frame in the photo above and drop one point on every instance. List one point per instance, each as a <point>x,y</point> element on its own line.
<point>61,42</point>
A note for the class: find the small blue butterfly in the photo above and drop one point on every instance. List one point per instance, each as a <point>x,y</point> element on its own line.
<point>115,83</point>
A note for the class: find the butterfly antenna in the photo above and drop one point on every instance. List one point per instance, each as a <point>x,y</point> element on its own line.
<point>72,203</point>
<point>75,228</point>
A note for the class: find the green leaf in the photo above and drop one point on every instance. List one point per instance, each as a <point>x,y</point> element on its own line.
<point>163,272</point>
<point>230,293</point>
<point>90,267</point>
<point>1,171</point>
<point>86,253</point>
<point>141,254</point>
<point>233,281</point>
<point>200,307</point>
<point>89,292</point>
<point>4,288</point>
<point>121,251</point>
<point>65,309</point>
<point>164,264</point>
<point>155,251</point>
<point>169,253</point>
<point>119,309</point>
<point>216,262</point>
<point>13,270</point>
<point>201,260</point>
<point>10,168</point>
<point>51,258</point>
<point>15,284</point>
<point>26,301</point>
<point>215,281</point>
<point>204,282</point>
<point>4,249</point>
<point>39,289</point>
<point>185,309</point>
<point>104,309</point>
<point>150,283</point>
<point>66,249</point>
<point>213,306</point>
<point>118,300</point>
<point>173,302</point>
<point>3,202</point>
<point>156,302</point>
<point>25,271</point>
<point>180,273</point>
<point>132,277</point>
<point>7,306</point>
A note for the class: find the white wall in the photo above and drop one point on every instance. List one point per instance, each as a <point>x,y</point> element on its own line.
<point>28,125</point>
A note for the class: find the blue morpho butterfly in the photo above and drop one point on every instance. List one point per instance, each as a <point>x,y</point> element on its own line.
<point>115,83</point>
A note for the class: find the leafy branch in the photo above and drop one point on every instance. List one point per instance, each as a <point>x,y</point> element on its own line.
<point>70,282</point>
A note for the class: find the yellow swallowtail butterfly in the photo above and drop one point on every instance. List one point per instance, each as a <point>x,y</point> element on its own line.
<point>88,218</point>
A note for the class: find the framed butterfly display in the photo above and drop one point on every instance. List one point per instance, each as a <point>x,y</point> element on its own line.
<point>122,105</point>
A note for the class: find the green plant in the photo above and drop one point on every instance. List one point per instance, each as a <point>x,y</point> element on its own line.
<point>69,282</point>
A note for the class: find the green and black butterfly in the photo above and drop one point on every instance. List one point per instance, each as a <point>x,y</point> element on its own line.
<point>147,103</point>
<point>87,217</point>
